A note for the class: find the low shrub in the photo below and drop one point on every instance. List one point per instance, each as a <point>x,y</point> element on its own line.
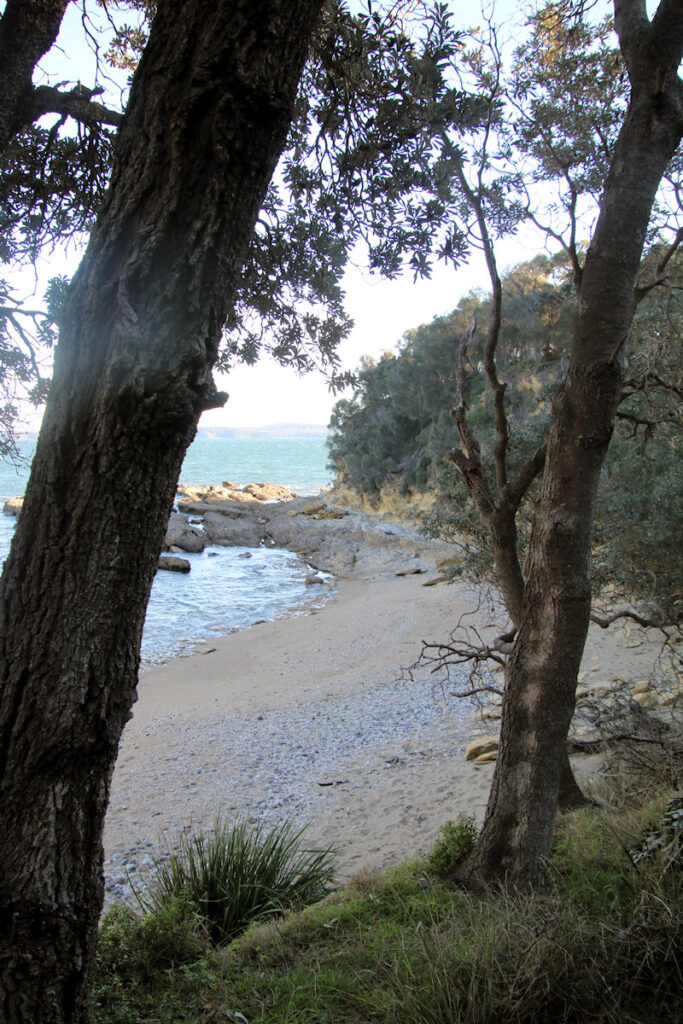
<point>455,845</point>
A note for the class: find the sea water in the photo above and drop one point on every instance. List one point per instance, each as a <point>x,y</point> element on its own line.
<point>227,588</point>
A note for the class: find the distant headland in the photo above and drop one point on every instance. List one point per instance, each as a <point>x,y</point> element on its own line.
<point>289,430</point>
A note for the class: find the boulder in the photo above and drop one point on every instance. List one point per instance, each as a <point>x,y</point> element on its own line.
<point>313,578</point>
<point>234,527</point>
<point>13,506</point>
<point>180,534</point>
<point>174,564</point>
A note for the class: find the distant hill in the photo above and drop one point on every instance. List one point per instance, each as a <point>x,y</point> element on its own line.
<point>290,430</point>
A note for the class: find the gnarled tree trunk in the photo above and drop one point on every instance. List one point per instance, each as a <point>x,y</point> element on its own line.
<point>206,121</point>
<point>540,688</point>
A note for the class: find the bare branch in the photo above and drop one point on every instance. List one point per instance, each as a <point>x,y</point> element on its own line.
<point>605,621</point>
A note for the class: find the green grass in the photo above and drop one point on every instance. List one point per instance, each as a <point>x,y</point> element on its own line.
<point>600,943</point>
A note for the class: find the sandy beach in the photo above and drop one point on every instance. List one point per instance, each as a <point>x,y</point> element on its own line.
<point>311,718</point>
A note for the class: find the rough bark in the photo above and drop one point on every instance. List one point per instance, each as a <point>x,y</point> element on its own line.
<point>542,672</point>
<point>206,121</point>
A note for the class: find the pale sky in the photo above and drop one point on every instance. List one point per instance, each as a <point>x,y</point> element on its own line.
<point>382,310</point>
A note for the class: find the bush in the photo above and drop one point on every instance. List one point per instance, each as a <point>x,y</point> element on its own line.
<point>236,875</point>
<point>455,845</point>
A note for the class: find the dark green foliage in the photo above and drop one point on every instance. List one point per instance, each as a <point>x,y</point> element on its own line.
<point>455,844</point>
<point>236,875</point>
<point>398,420</point>
<point>51,186</point>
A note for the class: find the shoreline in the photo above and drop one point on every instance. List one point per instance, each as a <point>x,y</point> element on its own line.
<point>308,718</point>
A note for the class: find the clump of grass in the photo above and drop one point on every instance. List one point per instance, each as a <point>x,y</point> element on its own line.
<point>453,847</point>
<point>236,875</point>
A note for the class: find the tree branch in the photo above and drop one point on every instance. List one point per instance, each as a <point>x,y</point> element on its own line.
<point>640,291</point>
<point>526,476</point>
<point>605,621</point>
<point>77,104</point>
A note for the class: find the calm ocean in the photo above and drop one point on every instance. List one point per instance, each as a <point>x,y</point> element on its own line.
<point>223,591</point>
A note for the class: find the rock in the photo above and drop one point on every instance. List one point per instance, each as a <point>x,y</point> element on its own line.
<point>490,713</point>
<point>415,571</point>
<point>644,699</point>
<point>13,506</point>
<point>433,582</point>
<point>268,492</point>
<point>330,512</point>
<point>313,508</point>
<point>642,686</point>
<point>236,526</point>
<point>668,698</point>
<point>313,578</point>
<point>492,755</point>
<point>181,535</point>
<point>482,745</point>
<point>245,554</point>
<point>173,563</point>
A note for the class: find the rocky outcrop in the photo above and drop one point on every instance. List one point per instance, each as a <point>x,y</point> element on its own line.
<point>228,491</point>
<point>331,538</point>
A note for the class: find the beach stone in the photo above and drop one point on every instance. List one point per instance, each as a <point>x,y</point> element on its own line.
<point>491,755</point>
<point>313,578</point>
<point>482,745</point>
<point>642,686</point>
<point>644,699</point>
<point>174,564</point>
<point>13,506</point>
<point>181,535</point>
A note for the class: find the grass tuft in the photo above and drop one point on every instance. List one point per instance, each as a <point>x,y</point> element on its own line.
<point>236,875</point>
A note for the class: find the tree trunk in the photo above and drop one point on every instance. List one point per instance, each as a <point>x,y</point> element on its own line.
<point>207,118</point>
<point>541,684</point>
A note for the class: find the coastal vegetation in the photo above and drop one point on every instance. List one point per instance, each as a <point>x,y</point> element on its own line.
<point>396,430</point>
<point>198,256</point>
<point>600,943</point>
